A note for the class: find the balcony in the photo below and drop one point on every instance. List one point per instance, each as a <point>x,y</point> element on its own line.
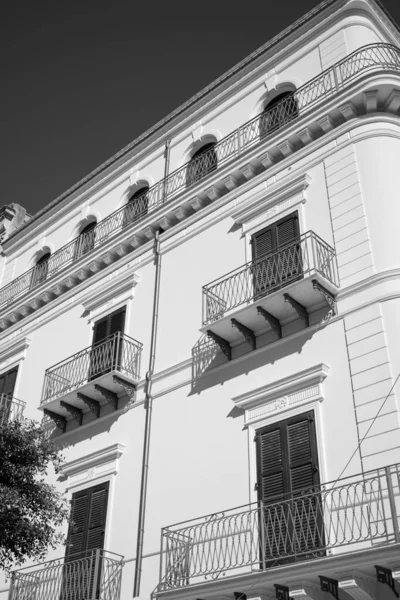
<point>271,291</point>
<point>313,110</point>
<point>72,580</point>
<point>93,382</point>
<point>350,524</point>
<point>11,409</point>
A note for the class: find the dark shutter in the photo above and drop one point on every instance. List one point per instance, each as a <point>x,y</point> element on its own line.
<point>274,267</point>
<point>86,534</point>
<point>88,521</point>
<point>288,480</point>
<point>109,325</point>
<point>7,385</point>
<point>7,382</point>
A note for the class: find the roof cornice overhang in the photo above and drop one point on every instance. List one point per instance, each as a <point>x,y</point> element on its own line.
<point>293,37</point>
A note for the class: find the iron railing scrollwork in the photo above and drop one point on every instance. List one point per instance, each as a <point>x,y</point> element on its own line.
<point>355,512</point>
<point>272,271</point>
<point>118,352</point>
<point>95,576</point>
<point>374,57</point>
<point>11,409</point>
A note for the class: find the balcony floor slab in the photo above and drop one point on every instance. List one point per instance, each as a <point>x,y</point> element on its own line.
<point>302,291</point>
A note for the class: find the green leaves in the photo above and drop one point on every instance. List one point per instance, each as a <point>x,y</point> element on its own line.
<point>31,510</point>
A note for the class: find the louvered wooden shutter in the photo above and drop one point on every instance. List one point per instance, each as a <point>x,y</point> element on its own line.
<point>287,230</point>
<point>88,521</point>
<point>117,322</point>
<point>7,382</point>
<point>100,331</point>
<point>288,480</point>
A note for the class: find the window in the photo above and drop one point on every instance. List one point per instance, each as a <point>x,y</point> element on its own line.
<point>107,344</point>
<point>86,240</point>
<point>86,534</point>
<point>277,258</point>
<point>138,205</point>
<point>40,270</point>
<point>281,110</point>
<point>288,488</point>
<point>203,162</point>
<point>7,386</point>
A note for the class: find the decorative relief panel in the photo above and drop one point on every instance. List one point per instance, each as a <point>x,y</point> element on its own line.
<point>100,464</point>
<point>296,390</point>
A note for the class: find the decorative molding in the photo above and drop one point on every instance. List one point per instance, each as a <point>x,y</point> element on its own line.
<point>13,351</point>
<point>116,288</point>
<point>271,201</point>
<point>103,462</point>
<point>298,389</point>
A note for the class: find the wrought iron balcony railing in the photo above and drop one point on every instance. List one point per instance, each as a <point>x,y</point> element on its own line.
<point>375,57</point>
<point>11,409</point>
<point>352,514</point>
<point>118,352</point>
<point>308,254</point>
<point>96,576</point>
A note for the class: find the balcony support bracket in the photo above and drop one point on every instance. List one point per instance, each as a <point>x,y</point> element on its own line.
<point>59,420</point>
<point>108,395</point>
<point>384,575</point>
<point>76,413</point>
<point>282,592</point>
<point>224,345</point>
<point>330,585</point>
<point>92,405</point>
<point>247,333</point>
<point>273,321</point>
<point>129,388</point>
<point>299,308</point>
<point>330,299</point>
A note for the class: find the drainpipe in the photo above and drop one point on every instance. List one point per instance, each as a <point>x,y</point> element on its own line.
<point>148,408</point>
<point>166,167</point>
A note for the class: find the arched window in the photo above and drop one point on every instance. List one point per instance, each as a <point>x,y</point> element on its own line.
<point>281,110</point>
<point>86,240</point>
<point>40,270</point>
<point>203,162</point>
<point>138,205</point>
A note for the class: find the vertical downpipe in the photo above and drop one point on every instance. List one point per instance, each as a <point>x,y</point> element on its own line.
<point>147,431</point>
<point>166,169</point>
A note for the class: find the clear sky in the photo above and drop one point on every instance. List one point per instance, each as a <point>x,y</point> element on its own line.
<point>83,78</point>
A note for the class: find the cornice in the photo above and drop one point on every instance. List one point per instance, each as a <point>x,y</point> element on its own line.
<point>320,17</point>
<point>283,387</point>
<point>109,289</point>
<point>269,197</point>
<point>104,455</point>
<point>14,349</point>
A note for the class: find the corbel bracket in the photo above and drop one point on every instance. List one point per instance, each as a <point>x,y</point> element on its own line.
<point>330,299</point>
<point>330,585</point>
<point>223,344</point>
<point>384,575</point>
<point>59,420</point>
<point>282,592</point>
<point>247,333</point>
<point>107,394</point>
<point>299,308</point>
<point>273,321</point>
<point>75,412</point>
<point>130,388</point>
<point>92,405</point>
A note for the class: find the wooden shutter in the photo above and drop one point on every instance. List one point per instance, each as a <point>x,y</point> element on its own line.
<point>287,229</point>
<point>88,521</point>
<point>7,382</point>
<point>288,476</point>
<point>287,458</point>
<point>108,325</point>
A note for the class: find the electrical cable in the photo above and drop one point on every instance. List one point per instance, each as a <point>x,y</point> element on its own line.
<point>368,430</point>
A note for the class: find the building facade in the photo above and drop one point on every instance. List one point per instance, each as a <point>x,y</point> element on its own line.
<point>264,213</point>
